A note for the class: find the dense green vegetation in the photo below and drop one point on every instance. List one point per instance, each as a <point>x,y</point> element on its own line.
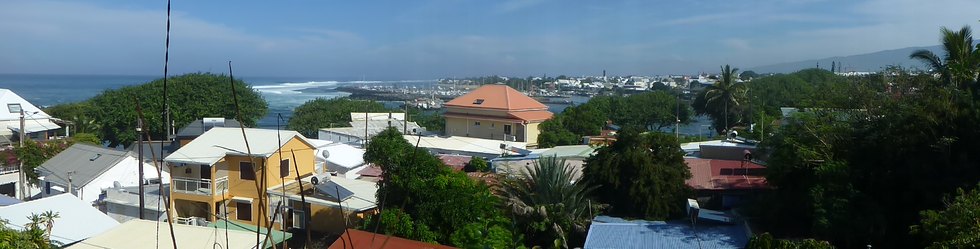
<point>647,110</point>
<point>767,241</point>
<point>439,204</point>
<point>640,176</point>
<point>873,152</point>
<point>956,226</point>
<point>111,115</point>
<point>319,113</point>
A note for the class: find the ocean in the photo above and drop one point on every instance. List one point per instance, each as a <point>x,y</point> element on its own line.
<point>282,93</point>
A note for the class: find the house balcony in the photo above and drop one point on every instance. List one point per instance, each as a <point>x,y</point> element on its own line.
<point>199,186</point>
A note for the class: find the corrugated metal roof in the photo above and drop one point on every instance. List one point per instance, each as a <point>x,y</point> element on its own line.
<point>86,162</point>
<point>610,232</point>
<point>143,234</point>
<point>344,155</point>
<point>218,142</point>
<point>78,219</point>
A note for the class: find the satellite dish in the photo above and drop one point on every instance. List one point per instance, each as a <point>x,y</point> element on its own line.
<point>314,180</point>
<point>325,154</point>
<point>116,184</point>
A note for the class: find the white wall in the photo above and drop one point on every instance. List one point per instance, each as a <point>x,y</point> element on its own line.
<point>125,172</point>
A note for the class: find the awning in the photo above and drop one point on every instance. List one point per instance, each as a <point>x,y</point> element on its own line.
<point>35,125</point>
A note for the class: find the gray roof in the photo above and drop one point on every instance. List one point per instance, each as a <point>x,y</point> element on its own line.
<point>374,127</point>
<point>611,232</point>
<point>155,147</point>
<point>78,219</point>
<point>196,127</point>
<point>86,162</point>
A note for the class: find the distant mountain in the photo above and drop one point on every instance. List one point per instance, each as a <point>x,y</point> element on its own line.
<point>863,62</point>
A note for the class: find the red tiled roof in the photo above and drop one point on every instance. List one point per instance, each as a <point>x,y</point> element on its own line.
<point>500,97</point>
<point>456,162</point>
<point>354,238</point>
<point>531,116</point>
<point>714,174</point>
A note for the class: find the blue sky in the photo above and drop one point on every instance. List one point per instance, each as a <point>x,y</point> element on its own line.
<point>454,38</point>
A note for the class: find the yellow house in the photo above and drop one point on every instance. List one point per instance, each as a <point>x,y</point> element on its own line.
<point>496,112</point>
<point>213,177</point>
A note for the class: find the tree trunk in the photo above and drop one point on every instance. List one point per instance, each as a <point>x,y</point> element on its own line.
<point>726,118</point>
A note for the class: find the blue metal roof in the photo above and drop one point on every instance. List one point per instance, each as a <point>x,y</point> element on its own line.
<point>610,232</point>
<point>7,200</point>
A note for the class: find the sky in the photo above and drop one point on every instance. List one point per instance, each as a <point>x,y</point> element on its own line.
<point>428,39</point>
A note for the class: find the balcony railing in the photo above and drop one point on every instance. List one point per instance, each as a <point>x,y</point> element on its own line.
<point>200,186</point>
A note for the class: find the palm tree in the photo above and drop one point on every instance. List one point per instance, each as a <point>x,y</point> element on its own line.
<point>959,67</point>
<point>48,218</point>
<point>727,90</point>
<point>547,195</point>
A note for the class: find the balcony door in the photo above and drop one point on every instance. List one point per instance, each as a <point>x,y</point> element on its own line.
<point>206,174</point>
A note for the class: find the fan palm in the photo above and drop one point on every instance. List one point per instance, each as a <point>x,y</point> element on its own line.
<point>547,194</point>
<point>726,90</point>
<point>959,67</point>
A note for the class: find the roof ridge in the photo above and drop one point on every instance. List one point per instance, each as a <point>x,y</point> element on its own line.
<point>507,96</point>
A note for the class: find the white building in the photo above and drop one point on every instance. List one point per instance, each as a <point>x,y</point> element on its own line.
<point>37,124</point>
<point>89,170</point>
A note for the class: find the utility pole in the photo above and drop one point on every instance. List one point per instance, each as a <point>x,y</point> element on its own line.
<point>69,183</point>
<point>23,175</point>
<point>139,135</point>
<point>405,120</point>
<point>677,116</point>
<point>365,129</point>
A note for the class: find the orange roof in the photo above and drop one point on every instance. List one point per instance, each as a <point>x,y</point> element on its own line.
<point>496,97</point>
<point>532,115</point>
<point>367,240</point>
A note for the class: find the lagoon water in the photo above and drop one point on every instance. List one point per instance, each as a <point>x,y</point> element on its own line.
<point>282,93</point>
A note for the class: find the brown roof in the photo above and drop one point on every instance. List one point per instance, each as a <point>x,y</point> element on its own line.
<point>354,238</point>
<point>500,97</point>
<point>715,174</point>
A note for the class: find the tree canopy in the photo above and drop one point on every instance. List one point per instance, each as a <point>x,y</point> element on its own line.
<point>956,226</point>
<point>640,175</point>
<point>861,164</point>
<point>648,111</point>
<point>454,207</point>
<point>320,113</point>
<point>111,115</point>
